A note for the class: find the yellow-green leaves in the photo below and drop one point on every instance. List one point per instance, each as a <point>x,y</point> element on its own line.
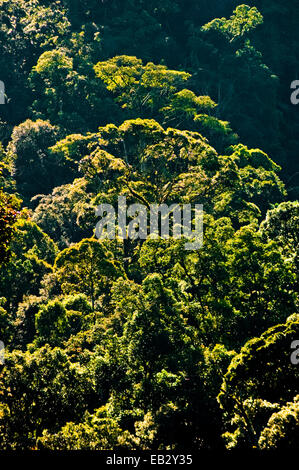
<point>243,20</point>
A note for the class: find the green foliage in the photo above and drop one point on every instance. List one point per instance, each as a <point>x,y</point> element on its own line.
<point>185,166</point>
<point>7,218</point>
<point>138,86</point>
<point>261,375</point>
<point>282,429</point>
<point>24,322</point>
<point>98,432</point>
<point>34,168</point>
<point>87,268</point>
<point>243,20</point>
<point>32,253</point>
<point>27,29</point>
<point>140,344</point>
<point>66,93</point>
<point>282,225</point>
<point>52,324</point>
<point>40,390</point>
<point>63,213</point>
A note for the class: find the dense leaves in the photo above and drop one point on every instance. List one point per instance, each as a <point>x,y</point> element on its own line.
<point>133,344</point>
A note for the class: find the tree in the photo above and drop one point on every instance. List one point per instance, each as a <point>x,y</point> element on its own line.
<point>142,344</point>
<point>64,214</point>
<point>172,377</point>
<point>52,326</point>
<point>139,87</point>
<point>262,371</point>
<point>88,268</point>
<point>282,224</point>
<point>230,283</point>
<point>40,390</point>
<point>24,330</point>
<point>5,323</point>
<point>67,92</point>
<point>7,219</point>
<point>243,20</point>
<point>282,430</point>
<point>28,28</point>
<point>35,170</point>
<point>97,432</point>
<point>234,74</point>
<point>32,253</point>
<point>148,164</point>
